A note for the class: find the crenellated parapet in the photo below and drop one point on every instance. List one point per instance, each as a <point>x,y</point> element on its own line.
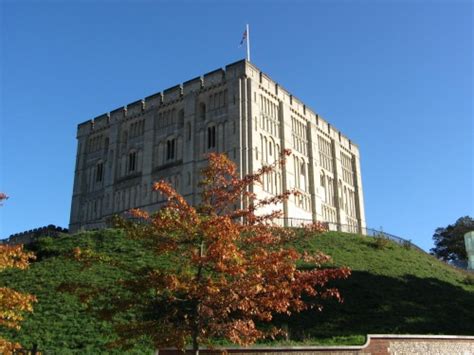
<point>172,94</point>
<point>275,90</point>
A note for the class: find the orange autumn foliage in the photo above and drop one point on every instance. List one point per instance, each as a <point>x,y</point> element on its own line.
<point>12,303</point>
<point>231,266</point>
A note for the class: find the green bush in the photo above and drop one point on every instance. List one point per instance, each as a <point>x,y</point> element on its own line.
<point>406,244</point>
<point>469,280</point>
<point>381,242</point>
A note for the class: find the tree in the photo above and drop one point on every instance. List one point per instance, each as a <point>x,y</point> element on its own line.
<point>229,269</point>
<point>12,303</point>
<point>449,241</point>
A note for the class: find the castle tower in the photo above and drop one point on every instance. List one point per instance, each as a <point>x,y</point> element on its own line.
<point>239,111</point>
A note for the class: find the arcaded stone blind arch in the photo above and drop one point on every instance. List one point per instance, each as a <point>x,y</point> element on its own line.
<point>202,111</point>
<point>179,147</point>
<point>106,145</point>
<point>165,118</point>
<point>124,139</point>
<point>303,184</point>
<point>265,150</point>
<point>218,100</point>
<point>325,154</point>
<point>298,131</point>
<point>339,190</point>
<point>188,131</point>
<point>137,128</point>
<point>330,192</point>
<point>159,154</point>
<point>271,150</point>
<point>269,116</point>
<point>322,180</point>
<point>346,204</point>
<point>95,143</point>
<point>347,171</point>
<point>181,118</point>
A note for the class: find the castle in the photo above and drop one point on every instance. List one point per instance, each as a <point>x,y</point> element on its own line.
<point>239,111</point>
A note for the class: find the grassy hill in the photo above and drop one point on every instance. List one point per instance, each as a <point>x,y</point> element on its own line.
<point>391,290</point>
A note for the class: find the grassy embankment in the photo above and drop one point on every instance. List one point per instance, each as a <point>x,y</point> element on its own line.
<point>391,290</point>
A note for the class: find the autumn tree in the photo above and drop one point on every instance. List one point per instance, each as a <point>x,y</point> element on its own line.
<point>13,304</point>
<point>229,268</point>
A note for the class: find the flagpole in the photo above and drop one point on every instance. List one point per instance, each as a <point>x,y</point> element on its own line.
<point>248,43</point>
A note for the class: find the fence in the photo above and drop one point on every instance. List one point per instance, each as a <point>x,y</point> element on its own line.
<point>369,232</point>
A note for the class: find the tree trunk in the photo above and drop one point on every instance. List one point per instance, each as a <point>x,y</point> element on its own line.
<point>195,344</point>
<point>195,331</point>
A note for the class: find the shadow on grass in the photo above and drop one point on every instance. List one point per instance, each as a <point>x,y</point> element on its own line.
<point>375,304</point>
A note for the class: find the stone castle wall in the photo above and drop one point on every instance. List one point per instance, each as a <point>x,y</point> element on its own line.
<point>239,111</point>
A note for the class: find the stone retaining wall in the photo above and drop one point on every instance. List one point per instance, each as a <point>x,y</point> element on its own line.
<point>375,345</point>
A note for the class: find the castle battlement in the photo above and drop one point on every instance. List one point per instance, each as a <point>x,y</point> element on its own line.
<point>210,79</point>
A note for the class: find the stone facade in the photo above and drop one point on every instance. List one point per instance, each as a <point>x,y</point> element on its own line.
<point>239,111</point>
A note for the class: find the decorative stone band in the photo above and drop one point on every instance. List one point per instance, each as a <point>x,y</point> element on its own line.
<point>376,344</point>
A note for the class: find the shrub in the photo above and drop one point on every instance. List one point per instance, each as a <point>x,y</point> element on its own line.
<point>380,242</point>
<point>469,279</point>
<point>406,244</point>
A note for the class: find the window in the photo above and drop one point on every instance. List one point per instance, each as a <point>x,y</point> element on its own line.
<point>170,149</point>
<point>132,161</point>
<point>99,172</point>
<point>211,137</point>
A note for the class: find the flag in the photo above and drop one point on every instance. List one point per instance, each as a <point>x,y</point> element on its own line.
<point>244,37</point>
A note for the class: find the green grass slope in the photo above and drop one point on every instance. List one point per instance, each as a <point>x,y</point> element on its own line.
<point>391,290</point>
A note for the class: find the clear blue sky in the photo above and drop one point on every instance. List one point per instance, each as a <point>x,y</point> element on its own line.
<point>394,76</point>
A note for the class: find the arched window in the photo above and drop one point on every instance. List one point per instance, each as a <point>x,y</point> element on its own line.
<point>132,161</point>
<point>99,173</point>
<point>170,149</point>
<point>211,137</point>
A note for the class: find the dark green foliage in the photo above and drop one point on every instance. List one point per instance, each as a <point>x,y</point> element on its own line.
<point>391,290</point>
<point>449,241</point>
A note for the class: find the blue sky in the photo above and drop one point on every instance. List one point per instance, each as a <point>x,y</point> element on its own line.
<point>394,76</point>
